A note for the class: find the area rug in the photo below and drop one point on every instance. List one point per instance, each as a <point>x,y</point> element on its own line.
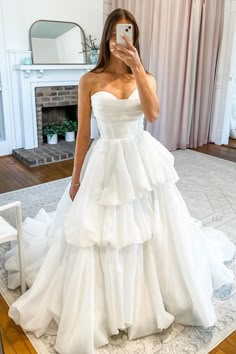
<point>208,186</point>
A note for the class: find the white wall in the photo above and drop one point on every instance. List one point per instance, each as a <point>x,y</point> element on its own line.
<point>16,18</point>
<point>19,15</point>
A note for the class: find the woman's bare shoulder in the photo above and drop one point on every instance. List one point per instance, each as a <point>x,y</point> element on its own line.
<point>87,79</point>
<point>90,80</point>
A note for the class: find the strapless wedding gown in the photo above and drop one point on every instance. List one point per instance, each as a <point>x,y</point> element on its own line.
<point>126,254</point>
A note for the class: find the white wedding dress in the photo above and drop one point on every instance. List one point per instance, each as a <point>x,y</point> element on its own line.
<point>126,254</point>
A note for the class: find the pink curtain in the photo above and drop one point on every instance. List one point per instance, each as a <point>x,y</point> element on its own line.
<point>180,43</point>
<point>211,30</point>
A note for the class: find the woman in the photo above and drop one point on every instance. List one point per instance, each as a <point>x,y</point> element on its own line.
<point>120,72</point>
<point>125,254</point>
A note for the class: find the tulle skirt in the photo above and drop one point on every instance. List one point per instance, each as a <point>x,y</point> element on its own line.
<point>126,254</point>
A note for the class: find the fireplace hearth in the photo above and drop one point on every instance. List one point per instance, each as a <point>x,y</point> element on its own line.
<point>46,153</point>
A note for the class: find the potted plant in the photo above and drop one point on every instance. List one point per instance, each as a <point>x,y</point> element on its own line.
<point>69,128</point>
<point>93,49</point>
<point>51,131</point>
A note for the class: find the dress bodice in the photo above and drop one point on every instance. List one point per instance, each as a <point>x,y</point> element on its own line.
<point>118,118</point>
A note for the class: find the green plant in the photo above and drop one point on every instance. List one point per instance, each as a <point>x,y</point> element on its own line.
<point>90,43</point>
<point>69,126</point>
<point>51,129</point>
<point>60,129</point>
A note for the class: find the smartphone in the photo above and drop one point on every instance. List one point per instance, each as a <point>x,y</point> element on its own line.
<point>125,28</point>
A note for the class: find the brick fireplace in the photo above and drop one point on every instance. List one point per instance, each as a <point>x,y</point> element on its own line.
<point>55,86</point>
<point>54,104</point>
<point>43,90</point>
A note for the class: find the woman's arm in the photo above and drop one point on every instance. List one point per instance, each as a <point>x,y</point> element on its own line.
<point>146,83</point>
<point>147,89</point>
<point>83,135</point>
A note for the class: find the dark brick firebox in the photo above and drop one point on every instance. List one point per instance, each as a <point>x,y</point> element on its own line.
<point>52,96</point>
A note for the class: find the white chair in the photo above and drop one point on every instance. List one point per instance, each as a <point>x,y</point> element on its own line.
<point>9,233</point>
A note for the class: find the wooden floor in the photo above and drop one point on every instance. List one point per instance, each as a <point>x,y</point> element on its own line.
<point>13,338</point>
<point>226,152</point>
<point>14,175</point>
<point>232,143</point>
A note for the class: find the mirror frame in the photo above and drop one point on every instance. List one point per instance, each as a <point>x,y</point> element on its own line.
<point>83,41</point>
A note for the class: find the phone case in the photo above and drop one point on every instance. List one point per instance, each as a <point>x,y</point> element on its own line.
<point>126,29</point>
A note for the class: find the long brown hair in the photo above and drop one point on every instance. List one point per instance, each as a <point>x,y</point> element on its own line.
<point>104,55</point>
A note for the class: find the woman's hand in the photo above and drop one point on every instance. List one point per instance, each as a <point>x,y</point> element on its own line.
<point>73,191</point>
<point>128,55</point>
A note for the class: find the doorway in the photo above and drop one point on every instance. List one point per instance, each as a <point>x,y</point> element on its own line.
<point>229,115</point>
<point>2,129</point>
<point>230,110</point>
<point>6,142</point>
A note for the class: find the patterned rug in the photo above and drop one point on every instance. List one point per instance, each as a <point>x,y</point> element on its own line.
<point>209,189</point>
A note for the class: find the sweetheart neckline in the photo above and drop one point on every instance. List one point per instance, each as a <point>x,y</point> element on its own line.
<point>110,93</point>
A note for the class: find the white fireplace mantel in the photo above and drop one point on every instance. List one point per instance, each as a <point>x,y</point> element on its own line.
<point>32,76</point>
<point>43,68</point>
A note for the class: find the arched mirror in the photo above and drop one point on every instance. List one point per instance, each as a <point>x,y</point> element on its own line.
<point>56,42</point>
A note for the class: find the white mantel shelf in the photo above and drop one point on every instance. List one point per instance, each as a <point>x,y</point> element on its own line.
<point>42,68</point>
